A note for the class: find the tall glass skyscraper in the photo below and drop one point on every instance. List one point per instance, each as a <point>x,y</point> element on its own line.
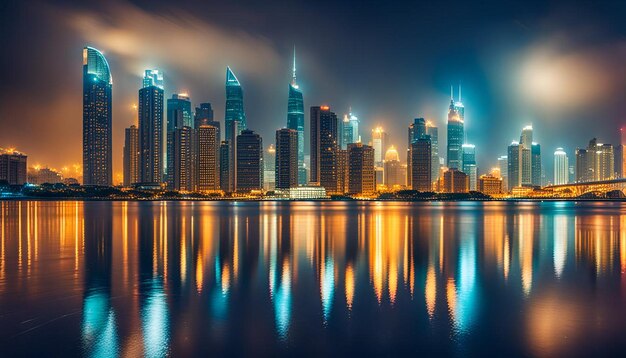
<point>97,119</point>
<point>151,128</point>
<point>324,148</point>
<point>349,130</point>
<point>295,119</point>
<point>234,104</point>
<point>178,118</point>
<point>561,167</point>
<point>469,164</point>
<point>433,132</point>
<point>456,133</point>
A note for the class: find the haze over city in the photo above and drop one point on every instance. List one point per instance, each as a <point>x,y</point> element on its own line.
<point>549,65</point>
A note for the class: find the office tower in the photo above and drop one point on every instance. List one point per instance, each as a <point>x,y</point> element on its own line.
<point>97,119</point>
<point>151,128</point>
<point>421,179</point>
<point>490,184</point>
<point>469,164</point>
<point>204,116</point>
<point>269,165</point>
<point>433,132</point>
<point>234,105</point>
<point>361,175</point>
<point>178,116</point>
<point>295,119</point>
<point>561,167</point>
<point>393,170</point>
<point>417,130</point>
<point>343,171</point>
<point>286,169</point>
<point>181,163</point>
<point>595,163</point>
<point>514,172</point>
<point>379,143</point>
<point>503,165</point>
<point>131,155</point>
<point>232,153</point>
<point>350,130</point>
<point>324,148</point>
<point>249,162</point>
<point>207,165</point>
<point>535,163</point>
<point>525,143</point>
<point>455,181</point>
<point>225,182</point>
<point>12,167</point>
<point>456,134</point>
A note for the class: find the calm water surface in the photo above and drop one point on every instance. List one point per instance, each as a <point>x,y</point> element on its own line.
<point>261,278</point>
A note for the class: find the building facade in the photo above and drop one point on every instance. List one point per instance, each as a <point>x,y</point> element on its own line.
<point>286,168</point>
<point>131,155</point>
<point>469,164</point>
<point>561,167</point>
<point>421,170</point>
<point>249,162</point>
<point>393,173</point>
<point>234,110</point>
<point>13,167</point>
<point>324,148</point>
<point>361,174</point>
<point>456,134</point>
<point>151,128</point>
<point>207,158</point>
<point>490,185</point>
<point>455,181</point>
<point>295,119</point>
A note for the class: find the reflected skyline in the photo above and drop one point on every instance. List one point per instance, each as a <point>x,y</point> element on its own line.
<point>181,278</point>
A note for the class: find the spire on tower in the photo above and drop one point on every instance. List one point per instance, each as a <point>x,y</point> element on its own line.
<point>293,79</point>
<point>452,93</point>
<point>460,92</point>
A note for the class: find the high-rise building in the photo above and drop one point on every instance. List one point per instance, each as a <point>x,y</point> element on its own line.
<point>178,116</point>
<point>151,128</point>
<point>469,164</point>
<point>343,171</point>
<point>12,167</point>
<point>269,175</point>
<point>421,176</point>
<point>514,164</point>
<point>433,132</point>
<point>249,162</point>
<point>295,119</point>
<point>286,168</point>
<point>379,143</point>
<point>324,148</point>
<point>393,169</point>
<point>204,116</point>
<point>349,130</point>
<point>417,130</point>
<point>526,167</point>
<point>503,165</point>
<point>455,181</point>
<point>456,133</point>
<point>207,165</point>
<point>181,169</point>
<point>97,119</point>
<point>225,182</point>
<point>234,105</point>
<point>595,163</point>
<point>535,163</point>
<point>361,175</point>
<point>232,153</point>
<point>131,155</point>
<point>561,167</point>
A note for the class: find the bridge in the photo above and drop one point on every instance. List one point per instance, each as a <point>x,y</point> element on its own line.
<point>601,188</point>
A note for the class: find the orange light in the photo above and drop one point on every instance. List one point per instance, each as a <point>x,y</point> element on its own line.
<point>325,108</point>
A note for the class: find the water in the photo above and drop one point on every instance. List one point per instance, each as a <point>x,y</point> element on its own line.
<point>263,278</point>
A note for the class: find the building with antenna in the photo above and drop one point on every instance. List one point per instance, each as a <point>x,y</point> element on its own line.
<point>295,119</point>
<point>456,132</point>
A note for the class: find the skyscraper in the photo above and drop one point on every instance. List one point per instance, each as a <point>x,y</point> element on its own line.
<point>503,165</point>
<point>421,161</point>
<point>525,143</point>
<point>379,143</point>
<point>393,169</point>
<point>295,119</point>
<point>286,168</point>
<point>595,163</point>
<point>456,133</point>
<point>234,104</point>
<point>204,116</point>
<point>417,130</point>
<point>151,128</point>
<point>12,167</point>
<point>131,155</point>
<point>178,117</point>
<point>349,130</point>
<point>97,119</point>
<point>181,168</point>
<point>324,148</point>
<point>207,165</point>
<point>225,183</point>
<point>249,162</point>
<point>361,174</point>
<point>561,167</point>
<point>469,164</point>
<point>535,163</point>
<point>269,163</point>
<point>433,132</point>
<point>514,166</point>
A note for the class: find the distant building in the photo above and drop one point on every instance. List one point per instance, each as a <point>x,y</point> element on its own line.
<point>225,182</point>
<point>343,171</point>
<point>269,163</point>
<point>178,117</point>
<point>379,143</point>
<point>204,116</point>
<point>393,175</point>
<point>180,171</point>
<point>456,133</point>
<point>295,119</point>
<point>514,172</point>
<point>433,133</point>
<point>249,162</point>
<point>421,179</point>
<point>44,176</point>
<point>234,109</point>
<point>469,164</point>
<point>304,192</point>
<point>349,130</point>
<point>361,177</point>
<point>131,155</point>
<point>97,119</point>
<point>595,163</point>
<point>561,167</point>
<point>455,181</point>
<point>207,146</point>
<point>151,128</point>
<point>490,185</point>
<point>12,167</point>
<point>324,149</point>
<point>503,165</point>
<point>536,168</point>
<point>286,158</point>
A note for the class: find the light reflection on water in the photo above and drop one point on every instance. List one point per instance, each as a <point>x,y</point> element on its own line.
<point>183,278</point>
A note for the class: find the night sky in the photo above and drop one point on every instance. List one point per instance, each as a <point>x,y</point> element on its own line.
<point>560,66</point>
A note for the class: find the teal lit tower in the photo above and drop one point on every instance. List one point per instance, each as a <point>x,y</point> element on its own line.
<point>295,119</point>
<point>234,104</point>
<point>456,133</point>
<point>151,128</point>
<point>97,119</point>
